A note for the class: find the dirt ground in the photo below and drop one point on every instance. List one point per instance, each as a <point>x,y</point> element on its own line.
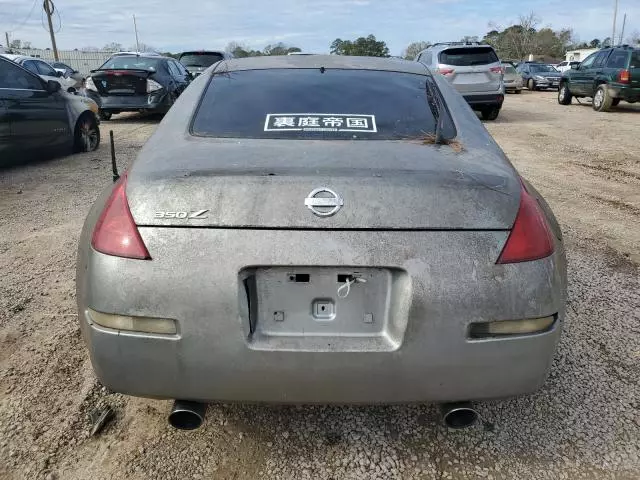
<point>583,423</point>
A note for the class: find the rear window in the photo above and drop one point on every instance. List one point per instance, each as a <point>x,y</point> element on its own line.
<point>509,69</point>
<point>200,59</point>
<point>618,59</point>
<point>468,56</point>
<point>132,63</point>
<point>542,68</point>
<point>307,103</point>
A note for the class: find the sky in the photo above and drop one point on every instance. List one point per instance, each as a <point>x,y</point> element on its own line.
<point>176,25</point>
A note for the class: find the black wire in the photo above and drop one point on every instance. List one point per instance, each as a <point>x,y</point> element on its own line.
<point>26,19</point>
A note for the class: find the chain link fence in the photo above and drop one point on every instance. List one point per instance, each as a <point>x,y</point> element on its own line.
<point>83,61</point>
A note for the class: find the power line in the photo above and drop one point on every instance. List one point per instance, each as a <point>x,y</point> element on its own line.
<point>22,24</point>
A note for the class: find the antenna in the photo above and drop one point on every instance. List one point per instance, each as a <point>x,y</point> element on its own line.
<point>135,28</point>
<point>114,167</point>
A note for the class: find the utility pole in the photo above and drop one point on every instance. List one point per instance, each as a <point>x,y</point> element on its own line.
<point>135,28</point>
<point>6,35</point>
<point>615,15</point>
<point>49,8</point>
<point>624,22</point>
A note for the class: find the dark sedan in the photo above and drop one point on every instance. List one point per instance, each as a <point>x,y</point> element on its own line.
<point>137,83</point>
<point>538,76</point>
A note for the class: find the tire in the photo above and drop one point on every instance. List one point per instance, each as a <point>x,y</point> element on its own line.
<point>602,100</point>
<point>86,136</point>
<point>490,113</point>
<point>531,85</point>
<point>615,102</point>
<point>564,95</point>
<point>104,115</point>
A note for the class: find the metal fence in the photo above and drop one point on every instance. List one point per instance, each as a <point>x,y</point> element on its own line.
<point>83,61</point>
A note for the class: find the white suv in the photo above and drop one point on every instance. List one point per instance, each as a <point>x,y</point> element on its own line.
<point>473,69</point>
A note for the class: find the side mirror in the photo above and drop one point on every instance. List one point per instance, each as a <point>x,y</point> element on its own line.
<point>59,74</point>
<point>575,67</point>
<point>52,86</point>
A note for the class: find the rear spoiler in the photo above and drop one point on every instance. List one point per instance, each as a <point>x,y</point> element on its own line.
<point>123,70</point>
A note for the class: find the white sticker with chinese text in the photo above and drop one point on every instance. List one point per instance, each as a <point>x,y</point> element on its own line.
<point>320,122</point>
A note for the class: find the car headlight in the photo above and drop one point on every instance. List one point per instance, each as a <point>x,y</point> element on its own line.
<point>89,85</point>
<point>540,77</point>
<point>153,86</point>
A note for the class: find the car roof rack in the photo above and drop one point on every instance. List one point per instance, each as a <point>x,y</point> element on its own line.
<point>455,43</point>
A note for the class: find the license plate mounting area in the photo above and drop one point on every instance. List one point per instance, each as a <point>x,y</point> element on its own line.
<point>325,308</point>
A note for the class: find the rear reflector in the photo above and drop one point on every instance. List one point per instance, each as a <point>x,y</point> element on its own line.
<point>530,237</point>
<point>165,326</point>
<point>511,327</point>
<point>115,232</point>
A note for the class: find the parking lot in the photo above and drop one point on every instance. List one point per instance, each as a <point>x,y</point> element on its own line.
<point>583,423</point>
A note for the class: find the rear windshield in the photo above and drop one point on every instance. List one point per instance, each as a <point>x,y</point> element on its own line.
<point>200,59</point>
<point>132,63</point>
<point>542,68</point>
<point>618,59</point>
<point>509,69</point>
<point>315,104</point>
<point>468,56</point>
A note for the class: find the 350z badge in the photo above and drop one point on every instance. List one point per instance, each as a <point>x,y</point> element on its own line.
<point>197,215</point>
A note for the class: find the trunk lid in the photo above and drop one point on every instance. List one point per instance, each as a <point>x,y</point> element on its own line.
<point>264,184</point>
<point>472,68</point>
<point>121,82</point>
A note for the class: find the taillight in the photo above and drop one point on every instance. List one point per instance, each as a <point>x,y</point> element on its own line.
<point>445,71</point>
<point>153,86</point>
<point>624,76</point>
<point>530,237</point>
<point>115,232</point>
<point>499,70</point>
<point>90,85</point>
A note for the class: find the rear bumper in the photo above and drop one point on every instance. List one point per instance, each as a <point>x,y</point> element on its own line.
<point>213,358</point>
<point>625,92</point>
<point>157,102</point>
<point>480,101</point>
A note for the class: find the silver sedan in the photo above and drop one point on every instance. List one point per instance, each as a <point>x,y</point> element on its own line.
<point>321,229</point>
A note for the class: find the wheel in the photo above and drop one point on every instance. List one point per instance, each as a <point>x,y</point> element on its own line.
<point>490,113</point>
<point>615,102</point>
<point>531,85</point>
<point>564,95</point>
<point>104,115</point>
<point>602,100</point>
<point>87,134</point>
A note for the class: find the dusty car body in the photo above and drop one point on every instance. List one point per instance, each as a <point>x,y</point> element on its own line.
<point>255,259</point>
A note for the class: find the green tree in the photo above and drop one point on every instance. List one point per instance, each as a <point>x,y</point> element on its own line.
<point>595,43</point>
<point>413,49</point>
<point>362,46</point>
<point>279,49</point>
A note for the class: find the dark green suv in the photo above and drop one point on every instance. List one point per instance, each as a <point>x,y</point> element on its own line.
<point>608,76</point>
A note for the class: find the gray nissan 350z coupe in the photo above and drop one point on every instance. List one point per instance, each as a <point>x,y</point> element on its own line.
<point>321,229</point>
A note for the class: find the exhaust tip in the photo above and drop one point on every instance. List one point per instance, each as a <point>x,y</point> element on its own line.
<point>187,415</point>
<point>459,415</point>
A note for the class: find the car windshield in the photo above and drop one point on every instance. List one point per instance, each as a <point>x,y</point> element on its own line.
<point>509,69</point>
<point>200,59</point>
<point>315,104</point>
<point>468,56</point>
<point>131,62</point>
<point>542,68</point>
<point>61,65</point>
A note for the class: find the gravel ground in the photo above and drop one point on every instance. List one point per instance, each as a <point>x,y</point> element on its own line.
<point>583,423</point>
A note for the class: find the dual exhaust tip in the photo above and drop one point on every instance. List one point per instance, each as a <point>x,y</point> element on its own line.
<point>186,415</point>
